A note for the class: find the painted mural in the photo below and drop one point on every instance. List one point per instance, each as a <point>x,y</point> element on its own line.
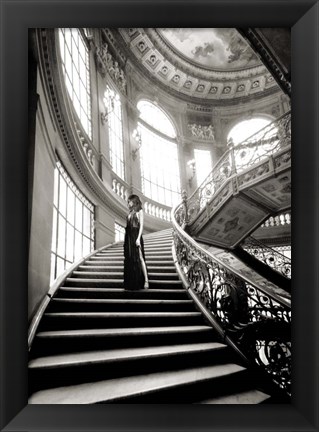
<point>213,48</point>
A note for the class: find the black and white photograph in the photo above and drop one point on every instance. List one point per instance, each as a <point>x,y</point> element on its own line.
<point>159,204</point>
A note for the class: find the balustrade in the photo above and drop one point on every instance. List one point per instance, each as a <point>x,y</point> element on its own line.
<point>157,211</point>
<point>86,146</point>
<point>279,220</point>
<point>120,189</point>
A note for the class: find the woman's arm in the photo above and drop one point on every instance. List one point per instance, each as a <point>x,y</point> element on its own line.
<point>141,219</point>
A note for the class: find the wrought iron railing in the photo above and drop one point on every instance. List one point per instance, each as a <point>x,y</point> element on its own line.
<point>268,141</point>
<point>255,319</point>
<point>268,256</point>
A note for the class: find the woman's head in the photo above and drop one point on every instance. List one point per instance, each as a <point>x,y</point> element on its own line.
<point>134,202</point>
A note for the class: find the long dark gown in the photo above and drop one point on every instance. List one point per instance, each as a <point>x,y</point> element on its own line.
<point>133,272</point>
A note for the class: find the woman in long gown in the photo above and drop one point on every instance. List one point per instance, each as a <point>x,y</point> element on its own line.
<point>135,272</point>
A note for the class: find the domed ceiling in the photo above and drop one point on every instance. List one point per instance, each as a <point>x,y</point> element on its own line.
<point>212,48</point>
<point>201,63</point>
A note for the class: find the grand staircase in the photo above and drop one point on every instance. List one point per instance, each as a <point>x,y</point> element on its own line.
<point>97,343</point>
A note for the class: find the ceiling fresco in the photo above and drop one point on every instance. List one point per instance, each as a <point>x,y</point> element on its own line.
<point>212,48</point>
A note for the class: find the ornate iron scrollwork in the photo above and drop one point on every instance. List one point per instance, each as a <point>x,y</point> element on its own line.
<point>268,256</point>
<point>257,322</point>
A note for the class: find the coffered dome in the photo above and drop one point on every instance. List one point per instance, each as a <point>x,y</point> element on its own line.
<point>202,63</point>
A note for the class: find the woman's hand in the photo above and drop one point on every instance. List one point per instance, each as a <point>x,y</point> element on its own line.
<point>138,243</point>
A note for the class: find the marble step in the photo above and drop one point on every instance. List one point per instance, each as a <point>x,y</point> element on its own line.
<point>121,293</point>
<point>64,341</point>
<point>119,305</point>
<point>86,320</point>
<point>120,389</point>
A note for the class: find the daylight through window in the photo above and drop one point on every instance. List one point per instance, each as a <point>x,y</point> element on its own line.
<point>73,224</point>
<point>119,232</point>
<point>261,140</point>
<point>203,163</point>
<point>159,155</point>
<point>75,64</point>
<point>113,107</point>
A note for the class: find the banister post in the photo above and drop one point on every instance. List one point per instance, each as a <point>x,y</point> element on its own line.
<point>184,201</point>
<point>230,145</point>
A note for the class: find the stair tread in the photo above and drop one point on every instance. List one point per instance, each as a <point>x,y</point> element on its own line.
<point>97,266</point>
<point>119,290</point>
<point>113,268</point>
<point>247,397</point>
<point>82,358</point>
<point>122,331</point>
<point>123,301</point>
<point>166,281</point>
<point>110,273</point>
<point>117,389</point>
<point>121,314</point>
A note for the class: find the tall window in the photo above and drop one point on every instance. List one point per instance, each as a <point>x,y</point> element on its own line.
<point>203,163</point>
<point>159,155</point>
<point>119,232</point>
<point>73,224</point>
<point>113,106</point>
<point>75,64</point>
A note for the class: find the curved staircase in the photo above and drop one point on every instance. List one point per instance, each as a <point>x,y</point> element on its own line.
<point>97,343</point>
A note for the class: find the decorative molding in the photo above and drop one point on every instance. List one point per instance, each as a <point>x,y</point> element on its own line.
<point>200,108</point>
<point>105,63</point>
<point>270,59</point>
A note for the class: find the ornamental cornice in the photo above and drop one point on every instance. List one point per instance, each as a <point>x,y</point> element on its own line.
<point>271,61</point>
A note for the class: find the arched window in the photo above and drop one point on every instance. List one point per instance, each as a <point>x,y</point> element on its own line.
<point>75,65</point>
<point>113,106</point>
<point>159,155</point>
<point>203,163</point>
<point>255,139</point>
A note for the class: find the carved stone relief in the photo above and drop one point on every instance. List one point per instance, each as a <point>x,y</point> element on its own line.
<point>105,63</point>
<point>202,132</point>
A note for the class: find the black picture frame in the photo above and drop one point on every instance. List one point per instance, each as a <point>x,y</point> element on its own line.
<point>16,18</point>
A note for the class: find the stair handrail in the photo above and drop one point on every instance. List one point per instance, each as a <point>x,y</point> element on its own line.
<point>269,256</point>
<point>275,136</point>
<point>244,309</point>
<point>54,287</point>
